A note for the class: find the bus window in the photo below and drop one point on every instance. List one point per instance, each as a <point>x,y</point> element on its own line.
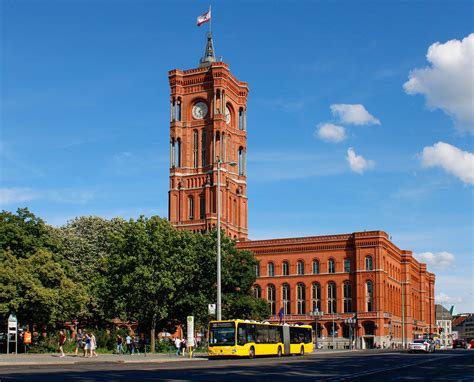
<point>242,334</point>
<point>222,334</point>
<point>251,333</point>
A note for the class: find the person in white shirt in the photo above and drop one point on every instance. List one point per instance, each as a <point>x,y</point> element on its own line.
<point>177,343</point>
<point>128,342</point>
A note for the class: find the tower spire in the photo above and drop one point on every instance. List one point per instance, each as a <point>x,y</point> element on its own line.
<point>208,56</point>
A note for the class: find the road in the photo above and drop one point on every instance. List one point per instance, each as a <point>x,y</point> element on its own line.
<point>451,365</point>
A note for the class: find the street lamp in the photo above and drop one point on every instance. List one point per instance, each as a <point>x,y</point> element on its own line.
<point>333,343</point>
<point>316,315</point>
<point>219,288</point>
<point>350,321</point>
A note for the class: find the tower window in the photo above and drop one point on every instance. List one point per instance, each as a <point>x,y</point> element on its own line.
<point>241,119</point>
<point>241,161</point>
<point>369,295</point>
<point>195,149</point>
<point>178,110</point>
<point>203,149</point>
<point>177,154</point>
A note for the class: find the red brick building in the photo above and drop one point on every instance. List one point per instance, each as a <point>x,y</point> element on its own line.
<point>363,286</point>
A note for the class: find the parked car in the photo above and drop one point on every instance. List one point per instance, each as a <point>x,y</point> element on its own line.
<point>472,344</point>
<point>459,344</point>
<point>426,346</point>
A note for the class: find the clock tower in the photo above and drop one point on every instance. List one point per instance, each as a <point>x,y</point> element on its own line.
<point>207,127</point>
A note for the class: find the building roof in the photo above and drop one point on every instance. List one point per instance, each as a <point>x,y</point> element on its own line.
<point>442,313</point>
<point>460,319</point>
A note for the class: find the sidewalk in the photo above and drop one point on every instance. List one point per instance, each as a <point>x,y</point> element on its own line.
<point>70,359</point>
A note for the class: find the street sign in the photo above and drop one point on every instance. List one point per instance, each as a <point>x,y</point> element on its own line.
<point>190,330</point>
<point>212,309</point>
<point>12,332</point>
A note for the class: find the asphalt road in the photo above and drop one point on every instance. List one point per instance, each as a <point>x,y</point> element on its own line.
<point>454,365</point>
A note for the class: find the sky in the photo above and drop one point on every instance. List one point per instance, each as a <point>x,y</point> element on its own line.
<point>360,115</point>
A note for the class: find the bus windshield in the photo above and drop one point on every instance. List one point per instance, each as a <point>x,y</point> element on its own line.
<point>222,334</point>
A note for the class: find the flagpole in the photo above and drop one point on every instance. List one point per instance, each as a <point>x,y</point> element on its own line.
<point>210,21</point>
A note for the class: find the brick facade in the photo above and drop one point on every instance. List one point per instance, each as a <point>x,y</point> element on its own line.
<point>361,276</point>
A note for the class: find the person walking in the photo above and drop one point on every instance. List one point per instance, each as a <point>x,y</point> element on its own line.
<point>177,343</point>
<point>128,342</point>
<point>119,344</point>
<point>93,345</point>
<point>183,347</point>
<point>135,345</point>
<point>79,341</point>
<point>61,342</point>
<point>87,346</point>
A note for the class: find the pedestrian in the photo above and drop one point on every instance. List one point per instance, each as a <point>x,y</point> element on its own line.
<point>79,341</point>
<point>119,344</point>
<point>135,345</point>
<point>87,346</point>
<point>27,340</point>
<point>128,342</point>
<point>177,343</point>
<point>183,347</point>
<point>93,345</point>
<point>61,342</point>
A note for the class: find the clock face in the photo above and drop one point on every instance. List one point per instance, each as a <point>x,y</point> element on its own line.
<point>227,115</point>
<point>199,110</point>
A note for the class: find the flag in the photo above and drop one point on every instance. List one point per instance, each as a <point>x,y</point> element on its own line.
<point>204,18</point>
<point>281,313</point>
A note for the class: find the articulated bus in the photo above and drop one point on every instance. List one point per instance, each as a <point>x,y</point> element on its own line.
<point>244,338</point>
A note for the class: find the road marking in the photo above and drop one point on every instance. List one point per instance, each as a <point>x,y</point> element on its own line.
<point>381,370</point>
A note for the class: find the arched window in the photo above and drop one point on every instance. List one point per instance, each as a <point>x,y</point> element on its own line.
<point>241,119</point>
<point>331,297</point>
<point>301,298</point>
<point>316,297</point>
<point>300,267</point>
<point>315,267</point>
<point>347,297</point>
<point>202,207</point>
<point>257,291</point>
<point>347,265</point>
<point>190,207</point>
<point>178,110</point>
<point>271,269</point>
<point>241,161</point>
<point>331,266</point>
<point>369,295</point>
<point>203,148</point>
<point>271,298</point>
<point>286,298</point>
<point>285,269</point>
<point>178,153</point>
<point>257,270</point>
<point>368,263</point>
<point>195,149</point>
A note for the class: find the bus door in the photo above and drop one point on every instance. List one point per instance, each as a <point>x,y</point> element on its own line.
<point>286,339</point>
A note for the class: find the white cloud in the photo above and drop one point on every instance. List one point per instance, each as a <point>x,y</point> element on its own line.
<point>16,195</point>
<point>358,163</point>
<point>355,114</point>
<point>451,159</point>
<point>448,83</point>
<point>330,132</point>
<point>438,260</point>
<point>443,298</point>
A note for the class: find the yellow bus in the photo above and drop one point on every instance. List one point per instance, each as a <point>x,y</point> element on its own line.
<point>245,338</point>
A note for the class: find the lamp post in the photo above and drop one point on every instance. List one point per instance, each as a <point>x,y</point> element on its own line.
<point>333,343</point>
<point>350,321</point>
<point>219,287</point>
<point>316,315</point>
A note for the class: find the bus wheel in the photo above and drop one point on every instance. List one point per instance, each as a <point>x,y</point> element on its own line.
<point>252,353</point>
<point>302,350</point>
<point>279,354</point>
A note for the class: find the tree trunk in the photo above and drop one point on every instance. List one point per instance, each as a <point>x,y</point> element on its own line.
<point>152,334</point>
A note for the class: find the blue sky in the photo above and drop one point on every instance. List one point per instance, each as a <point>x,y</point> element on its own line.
<point>351,125</point>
